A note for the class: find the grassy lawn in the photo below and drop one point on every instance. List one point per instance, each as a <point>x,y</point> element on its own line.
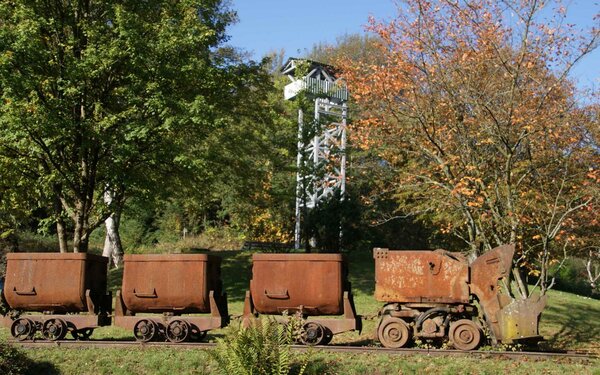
<point>569,322</point>
<point>173,361</point>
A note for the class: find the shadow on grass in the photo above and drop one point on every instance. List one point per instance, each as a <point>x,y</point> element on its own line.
<point>360,342</point>
<point>115,278</point>
<point>362,271</point>
<point>16,361</point>
<point>236,272</point>
<point>573,322</point>
<point>316,366</point>
<point>42,368</point>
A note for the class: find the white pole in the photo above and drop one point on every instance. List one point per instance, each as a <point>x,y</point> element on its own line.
<point>343,161</point>
<point>299,194</point>
<point>316,146</point>
<point>343,150</point>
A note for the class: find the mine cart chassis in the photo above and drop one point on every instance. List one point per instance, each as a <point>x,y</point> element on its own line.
<point>399,323</point>
<point>55,326</point>
<point>315,331</point>
<point>176,328</point>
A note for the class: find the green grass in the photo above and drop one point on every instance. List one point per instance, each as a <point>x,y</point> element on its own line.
<point>569,322</point>
<point>175,361</point>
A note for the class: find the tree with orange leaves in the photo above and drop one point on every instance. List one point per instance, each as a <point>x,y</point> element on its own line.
<point>473,109</point>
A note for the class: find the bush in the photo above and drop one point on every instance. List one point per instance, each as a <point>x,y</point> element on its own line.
<point>572,278</point>
<point>8,244</point>
<point>263,349</point>
<point>12,360</point>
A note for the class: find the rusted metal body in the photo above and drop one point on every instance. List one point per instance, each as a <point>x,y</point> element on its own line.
<point>54,281</point>
<point>58,285</point>
<point>421,276</point>
<point>509,319</point>
<point>305,284</point>
<point>172,285</point>
<point>436,294</point>
<point>313,283</point>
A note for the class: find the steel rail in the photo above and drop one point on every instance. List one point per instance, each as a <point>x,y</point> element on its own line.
<point>74,344</point>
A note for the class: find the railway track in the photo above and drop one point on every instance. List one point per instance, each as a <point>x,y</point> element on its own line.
<point>73,344</point>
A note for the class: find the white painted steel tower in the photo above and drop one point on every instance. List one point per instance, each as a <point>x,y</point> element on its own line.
<point>321,160</point>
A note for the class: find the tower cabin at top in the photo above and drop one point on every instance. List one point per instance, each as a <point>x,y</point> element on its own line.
<point>316,78</point>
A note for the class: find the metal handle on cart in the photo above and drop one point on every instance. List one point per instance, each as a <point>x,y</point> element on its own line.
<point>145,295</point>
<point>30,293</point>
<point>277,295</point>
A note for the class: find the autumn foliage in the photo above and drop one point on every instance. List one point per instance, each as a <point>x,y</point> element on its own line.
<point>473,109</point>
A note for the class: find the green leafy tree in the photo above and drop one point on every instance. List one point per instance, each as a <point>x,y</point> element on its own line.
<point>17,199</point>
<point>112,97</point>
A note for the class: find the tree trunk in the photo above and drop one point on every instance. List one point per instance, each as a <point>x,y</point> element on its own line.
<point>113,248</point>
<point>521,286</point>
<point>62,234</point>
<point>79,238</point>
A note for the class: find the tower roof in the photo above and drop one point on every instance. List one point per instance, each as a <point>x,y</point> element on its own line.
<point>315,68</point>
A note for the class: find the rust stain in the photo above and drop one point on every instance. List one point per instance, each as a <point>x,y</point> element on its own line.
<point>403,276</point>
<point>313,283</point>
<point>439,276</point>
<point>170,283</point>
<point>54,281</point>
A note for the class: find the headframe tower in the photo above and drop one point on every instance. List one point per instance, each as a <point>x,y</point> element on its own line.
<point>321,160</point>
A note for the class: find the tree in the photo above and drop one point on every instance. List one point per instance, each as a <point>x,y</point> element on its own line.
<point>104,99</point>
<point>359,47</point>
<point>15,205</point>
<point>249,181</point>
<point>473,110</point>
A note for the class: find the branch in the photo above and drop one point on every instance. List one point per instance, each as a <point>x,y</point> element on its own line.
<point>387,218</point>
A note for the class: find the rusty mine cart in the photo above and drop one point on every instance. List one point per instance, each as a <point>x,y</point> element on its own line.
<point>69,290</point>
<point>309,285</point>
<point>437,294</point>
<point>173,285</point>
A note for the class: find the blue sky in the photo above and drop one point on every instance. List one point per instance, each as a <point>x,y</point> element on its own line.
<point>269,25</point>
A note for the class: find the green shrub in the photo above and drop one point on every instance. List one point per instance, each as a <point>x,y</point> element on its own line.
<point>12,360</point>
<point>261,349</point>
<point>572,278</point>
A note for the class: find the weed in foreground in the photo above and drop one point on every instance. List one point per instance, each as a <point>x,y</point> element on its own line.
<point>263,348</point>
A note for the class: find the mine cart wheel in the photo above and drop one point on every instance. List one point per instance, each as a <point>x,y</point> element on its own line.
<point>54,329</point>
<point>144,330</point>
<point>393,332</point>
<point>464,334</point>
<point>312,334</point>
<point>178,331</point>
<point>82,334</point>
<point>328,336</point>
<point>22,329</point>
<point>195,334</point>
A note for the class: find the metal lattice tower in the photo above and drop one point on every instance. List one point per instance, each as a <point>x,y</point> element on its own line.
<point>321,160</point>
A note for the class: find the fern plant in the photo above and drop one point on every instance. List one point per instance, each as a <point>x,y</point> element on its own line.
<point>261,349</point>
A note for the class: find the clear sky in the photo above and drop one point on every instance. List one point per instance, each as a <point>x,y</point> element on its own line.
<point>295,26</point>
